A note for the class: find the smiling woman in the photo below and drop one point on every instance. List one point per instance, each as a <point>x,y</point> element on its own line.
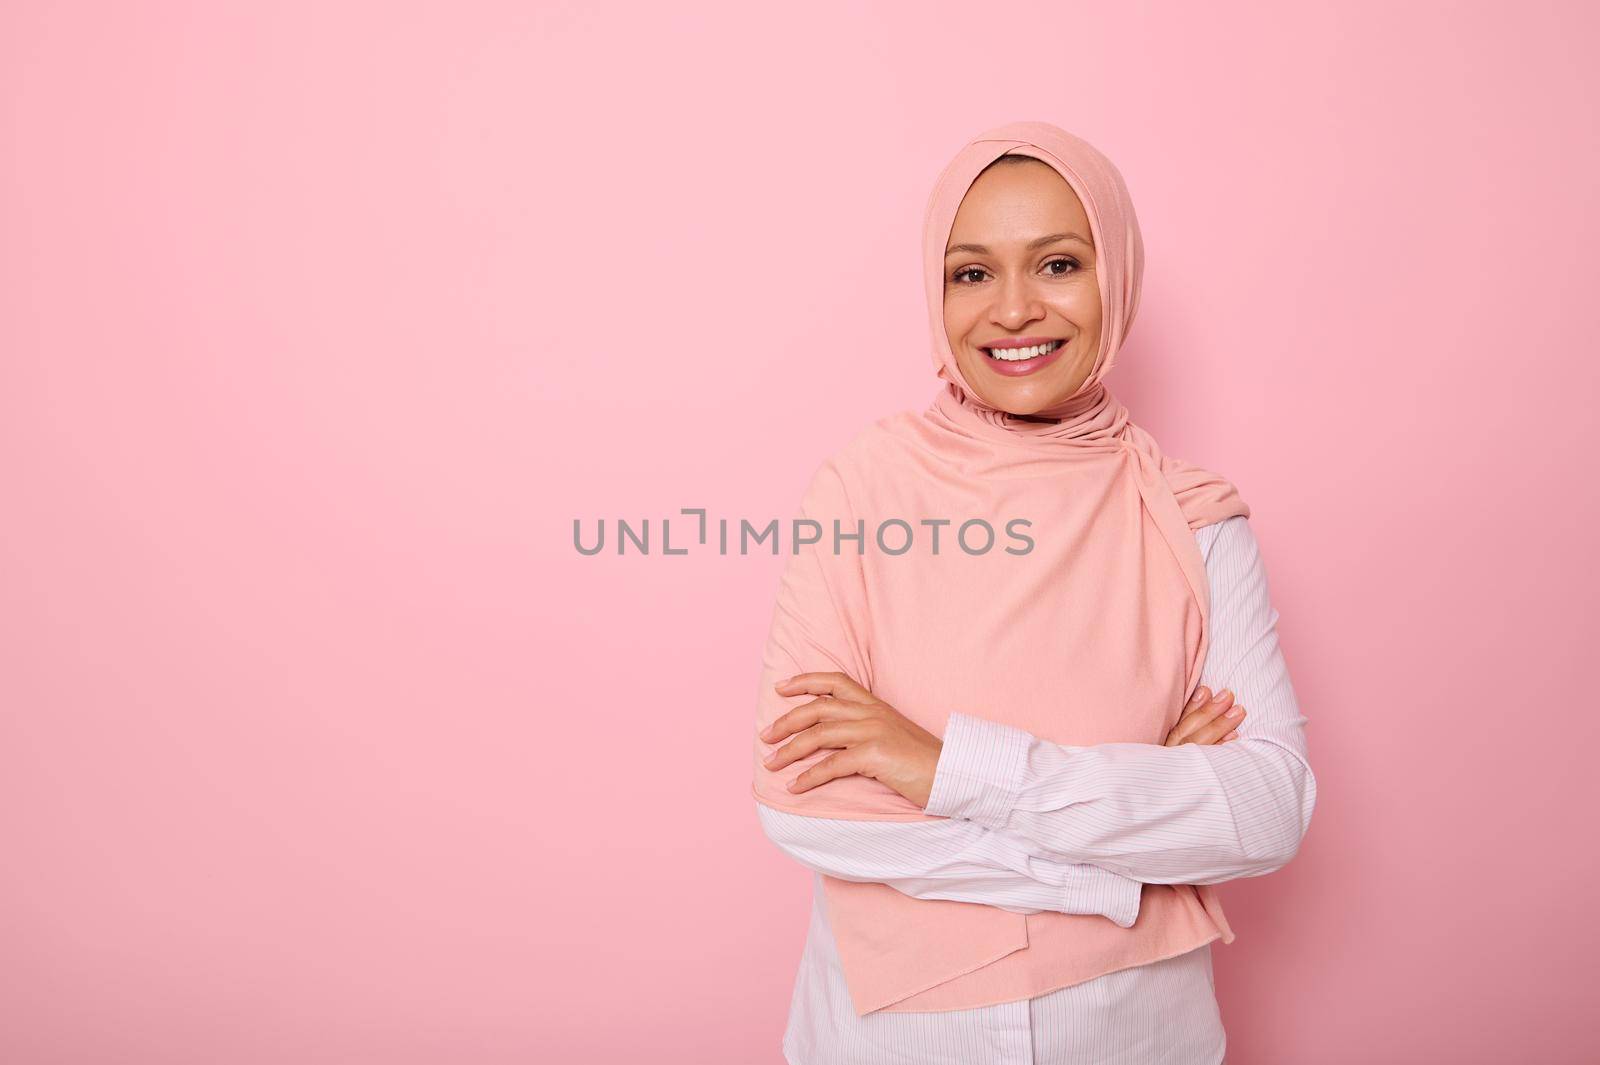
<point>1003,279</point>
<point>1006,772</point>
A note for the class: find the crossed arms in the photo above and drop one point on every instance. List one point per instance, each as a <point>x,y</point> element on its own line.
<point>1029,825</point>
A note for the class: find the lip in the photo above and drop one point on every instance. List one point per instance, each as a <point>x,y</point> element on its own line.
<point>1025,366</point>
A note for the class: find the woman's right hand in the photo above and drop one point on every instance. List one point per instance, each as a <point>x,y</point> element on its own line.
<point>1207,719</point>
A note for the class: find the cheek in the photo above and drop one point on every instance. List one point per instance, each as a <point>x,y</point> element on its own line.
<point>1081,308</point>
<point>959,317</point>
<point>952,323</point>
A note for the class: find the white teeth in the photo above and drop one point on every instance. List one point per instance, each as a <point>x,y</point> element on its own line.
<point>1018,354</point>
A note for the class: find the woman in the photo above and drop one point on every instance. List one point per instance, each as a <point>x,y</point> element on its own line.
<point>1005,767</point>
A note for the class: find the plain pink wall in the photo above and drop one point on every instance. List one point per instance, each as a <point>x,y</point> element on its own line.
<point>322,322</point>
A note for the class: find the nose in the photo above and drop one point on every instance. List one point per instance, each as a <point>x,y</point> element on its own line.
<point>1016,303</point>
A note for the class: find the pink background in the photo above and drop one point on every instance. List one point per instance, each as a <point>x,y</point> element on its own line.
<point>322,322</point>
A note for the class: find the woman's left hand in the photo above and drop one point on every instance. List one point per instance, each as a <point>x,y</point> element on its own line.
<point>876,740</point>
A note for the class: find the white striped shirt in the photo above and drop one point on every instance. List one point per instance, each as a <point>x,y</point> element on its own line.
<point>1032,825</point>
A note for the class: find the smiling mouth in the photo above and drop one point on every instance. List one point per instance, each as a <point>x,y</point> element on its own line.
<point>1022,354</point>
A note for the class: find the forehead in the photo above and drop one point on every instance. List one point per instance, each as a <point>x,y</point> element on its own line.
<point>1016,201</point>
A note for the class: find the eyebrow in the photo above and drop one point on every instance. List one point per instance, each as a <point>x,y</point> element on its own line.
<point>979,249</point>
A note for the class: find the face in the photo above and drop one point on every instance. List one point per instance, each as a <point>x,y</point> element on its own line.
<point>1020,269</point>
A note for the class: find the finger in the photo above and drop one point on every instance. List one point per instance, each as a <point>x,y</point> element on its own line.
<point>1224,723</point>
<point>1230,736</point>
<point>1180,729</point>
<point>801,717</point>
<point>837,765</point>
<point>1192,722</point>
<point>1199,717</point>
<point>807,714</point>
<point>1196,701</point>
<point>813,739</point>
<point>823,684</point>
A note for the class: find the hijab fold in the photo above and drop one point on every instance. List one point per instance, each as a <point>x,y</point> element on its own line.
<point>1095,635</point>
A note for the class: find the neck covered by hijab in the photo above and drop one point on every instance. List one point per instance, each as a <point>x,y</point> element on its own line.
<point>1094,632</point>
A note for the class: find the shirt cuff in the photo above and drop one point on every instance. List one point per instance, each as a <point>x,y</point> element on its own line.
<point>979,773</point>
<point>1101,891</point>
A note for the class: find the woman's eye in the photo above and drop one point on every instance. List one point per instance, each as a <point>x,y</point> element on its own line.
<point>974,274</point>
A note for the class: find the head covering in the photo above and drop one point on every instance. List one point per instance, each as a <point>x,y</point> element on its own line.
<point>1119,266</point>
<point>1096,633</point>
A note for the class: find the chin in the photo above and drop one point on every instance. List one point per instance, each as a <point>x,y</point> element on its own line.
<point>1012,404</point>
<point>1016,396</point>
<point>1023,406</point>
<point>1024,410</point>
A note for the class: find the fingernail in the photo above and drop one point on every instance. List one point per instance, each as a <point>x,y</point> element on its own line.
<point>1237,711</point>
<point>1232,735</point>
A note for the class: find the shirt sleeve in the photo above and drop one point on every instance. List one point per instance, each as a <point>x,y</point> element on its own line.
<point>1190,814</point>
<point>952,859</point>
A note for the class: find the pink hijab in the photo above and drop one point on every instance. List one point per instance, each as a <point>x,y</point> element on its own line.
<point>1095,635</point>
